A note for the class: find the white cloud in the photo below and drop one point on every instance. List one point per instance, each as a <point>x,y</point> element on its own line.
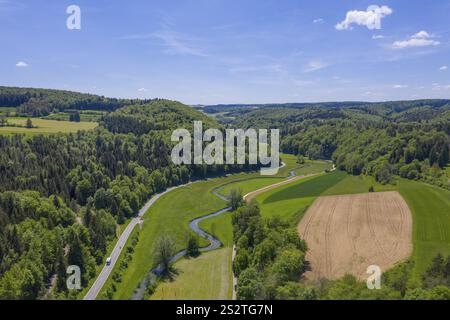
<point>318,21</point>
<point>315,65</point>
<point>400,86</point>
<point>142,90</point>
<point>421,35</point>
<point>371,18</point>
<point>377,36</point>
<point>443,68</point>
<point>420,39</point>
<point>21,64</point>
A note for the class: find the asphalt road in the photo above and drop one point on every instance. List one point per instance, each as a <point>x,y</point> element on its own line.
<point>106,271</point>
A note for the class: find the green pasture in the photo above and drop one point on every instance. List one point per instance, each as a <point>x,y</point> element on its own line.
<point>206,277</point>
<point>45,126</point>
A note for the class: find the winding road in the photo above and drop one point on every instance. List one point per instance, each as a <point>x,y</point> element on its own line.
<point>106,271</point>
<point>214,242</point>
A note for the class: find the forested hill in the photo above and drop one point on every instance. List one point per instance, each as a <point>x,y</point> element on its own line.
<point>159,115</point>
<point>40,102</point>
<point>405,138</point>
<point>62,196</point>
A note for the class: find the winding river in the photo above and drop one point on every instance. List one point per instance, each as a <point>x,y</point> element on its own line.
<point>214,243</point>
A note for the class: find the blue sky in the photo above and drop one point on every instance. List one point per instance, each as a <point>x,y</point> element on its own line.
<point>230,51</point>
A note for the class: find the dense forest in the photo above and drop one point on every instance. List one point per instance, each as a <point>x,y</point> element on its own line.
<point>270,260</point>
<point>63,195</point>
<point>404,138</point>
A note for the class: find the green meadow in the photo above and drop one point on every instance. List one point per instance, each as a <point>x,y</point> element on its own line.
<point>203,278</point>
<point>220,227</point>
<point>7,111</point>
<point>85,115</point>
<point>431,221</point>
<point>45,126</point>
<point>291,200</point>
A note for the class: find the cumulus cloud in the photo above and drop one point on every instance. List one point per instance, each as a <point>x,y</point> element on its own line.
<point>371,18</point>
<point>443,68</point>
<point>21,64</point>
<point>421,35</point>
<point>400,86</point>
<point>420,39</point>
<point>377,36</point>
<point>142,90</point>
<point>315,65</point>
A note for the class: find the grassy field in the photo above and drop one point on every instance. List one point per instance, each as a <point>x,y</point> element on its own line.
<point>430,207</point>
<point>220,227</point>
<point>44,126</point>
<point>196,281</point>
<point>171,215</point>
<point>290,201</point>
<point>85,115</point>
<point>356,184</point>
<point>5,111</point>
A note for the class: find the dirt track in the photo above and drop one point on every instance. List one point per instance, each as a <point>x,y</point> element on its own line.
<point>251,195</point>
<point>346,234</point>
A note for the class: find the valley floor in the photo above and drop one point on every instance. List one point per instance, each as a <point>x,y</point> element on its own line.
<point>205,277</point>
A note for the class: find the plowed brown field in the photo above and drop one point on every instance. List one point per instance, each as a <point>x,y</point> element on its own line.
<point>346,234</point>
